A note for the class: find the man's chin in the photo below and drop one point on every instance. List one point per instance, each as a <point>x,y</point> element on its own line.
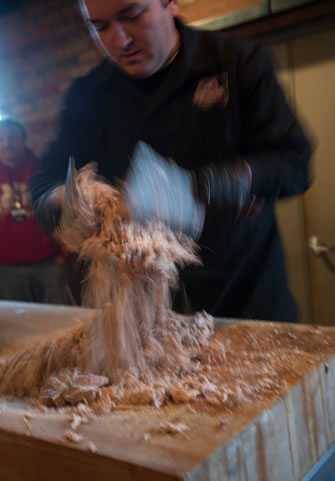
<point>140,70</point>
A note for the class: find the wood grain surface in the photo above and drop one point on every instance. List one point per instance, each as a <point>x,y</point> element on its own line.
<point>20,321</point>
<point>277,437</point>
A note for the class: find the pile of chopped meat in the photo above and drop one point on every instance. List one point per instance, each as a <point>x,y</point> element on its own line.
<point>137,350</point>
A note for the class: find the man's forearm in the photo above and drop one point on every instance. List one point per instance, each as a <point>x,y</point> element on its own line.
<point>272,139</point>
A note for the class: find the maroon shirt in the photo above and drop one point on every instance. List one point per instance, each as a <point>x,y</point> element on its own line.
<point>23,241</point>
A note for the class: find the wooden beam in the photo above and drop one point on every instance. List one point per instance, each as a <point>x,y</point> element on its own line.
<point>296,21</point>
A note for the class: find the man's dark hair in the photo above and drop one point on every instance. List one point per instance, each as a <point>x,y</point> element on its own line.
<point>14,124</point>
<point>163,2</point>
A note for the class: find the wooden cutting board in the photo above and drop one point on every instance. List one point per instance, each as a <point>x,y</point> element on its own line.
<point>20,321</point>
<point>275,434</point>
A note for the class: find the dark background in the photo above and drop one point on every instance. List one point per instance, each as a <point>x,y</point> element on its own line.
<point>7,6</point>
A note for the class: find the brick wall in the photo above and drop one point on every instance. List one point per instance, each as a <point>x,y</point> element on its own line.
<point>43,47</point>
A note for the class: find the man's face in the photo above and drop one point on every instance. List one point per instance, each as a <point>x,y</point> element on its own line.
<point>11,144</point>
<point>137,35</point>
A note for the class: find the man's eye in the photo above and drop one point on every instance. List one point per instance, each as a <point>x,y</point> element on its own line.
<point>132,15</point>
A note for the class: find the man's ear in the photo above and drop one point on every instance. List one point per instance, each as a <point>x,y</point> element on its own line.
<point>172,5</point>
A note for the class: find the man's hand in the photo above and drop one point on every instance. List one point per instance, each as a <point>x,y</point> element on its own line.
<point>227,186</point>
<point>157,188</point>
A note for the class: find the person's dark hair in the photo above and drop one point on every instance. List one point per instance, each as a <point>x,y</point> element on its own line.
<point>81,3</point>
<point>14,124</point>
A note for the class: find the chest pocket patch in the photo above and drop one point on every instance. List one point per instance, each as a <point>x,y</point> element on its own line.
<point>212,91</point>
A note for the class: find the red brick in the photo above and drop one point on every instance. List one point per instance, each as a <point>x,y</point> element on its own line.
<point>43,48</point>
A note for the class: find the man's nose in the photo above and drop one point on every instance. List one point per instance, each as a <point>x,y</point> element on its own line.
<point>119,37</point>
